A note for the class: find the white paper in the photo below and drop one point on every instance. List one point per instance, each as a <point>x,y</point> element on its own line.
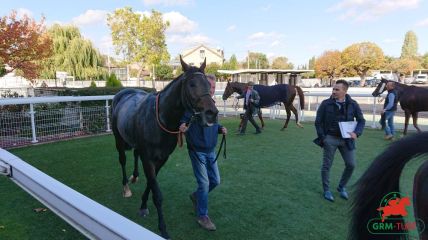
<point>346,128</point>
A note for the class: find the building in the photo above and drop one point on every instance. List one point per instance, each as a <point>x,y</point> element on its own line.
<point>267,76</point>
<point>196,55</point>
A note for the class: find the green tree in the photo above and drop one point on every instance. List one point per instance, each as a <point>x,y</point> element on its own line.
<point>258,60</point>
<point>112,81</point>
<point>311,64</point>
<point>140,39</point>
<point>164,72</point>
<point>361,58</point>
<point>72,54</point>
<point>213,68</point>
<point>22,43</point>
<point>282,63</point>
<point>233,63</point>
<point>410,45</point>
<point>329,65</point>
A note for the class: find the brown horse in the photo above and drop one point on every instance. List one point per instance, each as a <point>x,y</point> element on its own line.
<point>412,100</point>
<point>383,178</point>
<point>270,95</point>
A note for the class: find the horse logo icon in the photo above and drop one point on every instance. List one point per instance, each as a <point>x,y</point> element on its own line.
<point>393,205</point>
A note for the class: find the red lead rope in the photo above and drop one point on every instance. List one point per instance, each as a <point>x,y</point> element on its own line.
<point>179,134</point>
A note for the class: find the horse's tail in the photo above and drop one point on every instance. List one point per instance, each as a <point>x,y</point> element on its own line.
<point>381,178</point>
<point>301,97</point>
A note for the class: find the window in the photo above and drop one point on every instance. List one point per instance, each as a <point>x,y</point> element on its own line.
<point>202,53</point>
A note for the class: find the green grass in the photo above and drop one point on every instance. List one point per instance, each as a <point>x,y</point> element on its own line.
<point>270,187</point>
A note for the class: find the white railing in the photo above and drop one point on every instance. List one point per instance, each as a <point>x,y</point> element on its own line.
<point>43,119</point>
<point>92,219</point>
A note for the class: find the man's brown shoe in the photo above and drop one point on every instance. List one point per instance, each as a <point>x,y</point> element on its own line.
<point>205,222</point>
<point>192,197</point>
<point>389,137</point>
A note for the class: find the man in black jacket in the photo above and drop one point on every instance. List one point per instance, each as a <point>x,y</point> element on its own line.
<point>340,107</point>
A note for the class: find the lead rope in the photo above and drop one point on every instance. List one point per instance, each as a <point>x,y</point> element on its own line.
<point>179,134</point>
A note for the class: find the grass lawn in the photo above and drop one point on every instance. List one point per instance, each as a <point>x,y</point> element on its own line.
<point>270,187</point>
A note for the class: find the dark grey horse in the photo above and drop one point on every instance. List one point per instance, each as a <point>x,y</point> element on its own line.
<point>148,123</point>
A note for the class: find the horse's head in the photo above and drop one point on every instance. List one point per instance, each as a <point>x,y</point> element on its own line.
<point>231,87</point>
<point>227,91</point>
<point>196,95</point>
<point>381,87</point>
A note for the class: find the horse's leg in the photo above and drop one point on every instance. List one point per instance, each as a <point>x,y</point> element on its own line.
<point>150,170</point>
<point>120,146</point>
<point>134,177</point>
<point>287,109</point>
<point>415,121</point>
<point>420,196</point>
<point>144,211</point>
<point>406,121</point>
<point>296,115</point>
<point>259,113</point>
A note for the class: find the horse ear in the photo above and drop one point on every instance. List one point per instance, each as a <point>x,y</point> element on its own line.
<point>203,65</point>
<point>184,65</point>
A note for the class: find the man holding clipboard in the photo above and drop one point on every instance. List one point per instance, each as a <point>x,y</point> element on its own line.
<point>339,112</point>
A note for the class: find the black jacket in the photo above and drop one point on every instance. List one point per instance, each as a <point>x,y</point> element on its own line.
<point>326,116</point>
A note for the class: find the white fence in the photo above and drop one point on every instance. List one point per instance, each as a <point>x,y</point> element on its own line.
<point>24,121</point>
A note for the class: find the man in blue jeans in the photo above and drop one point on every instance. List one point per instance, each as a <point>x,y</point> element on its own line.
<point>340,107</point>
<point>389,108</point>
<point>201,143</point>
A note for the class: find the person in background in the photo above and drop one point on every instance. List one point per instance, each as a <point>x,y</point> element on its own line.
<point>251,100</point>
<point>340,107</point>
<point>201,142</point>
<point>389,109</point>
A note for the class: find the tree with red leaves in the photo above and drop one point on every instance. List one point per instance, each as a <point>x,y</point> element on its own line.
<point>23,44</point>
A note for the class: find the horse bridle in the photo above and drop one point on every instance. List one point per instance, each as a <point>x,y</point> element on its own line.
<point>194,112</point>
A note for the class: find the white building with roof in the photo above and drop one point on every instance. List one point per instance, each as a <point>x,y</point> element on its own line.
<point>195,56</point>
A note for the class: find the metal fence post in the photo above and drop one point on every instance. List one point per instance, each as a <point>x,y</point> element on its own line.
<point>33,123</point>
<point>107,116</point>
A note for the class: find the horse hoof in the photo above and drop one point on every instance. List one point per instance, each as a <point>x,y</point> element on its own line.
<point>143,212</point>
<point>133,179</point>
<point>300,125</point>
<point>126,191</point>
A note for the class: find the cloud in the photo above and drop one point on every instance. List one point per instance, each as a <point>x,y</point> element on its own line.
<point>21,12</point>
<point>189,40</point>
<point>423,23</point>
<point>272,39</point>
<point>166,2</point>
<point>366,10</point>
<point>90,17</point>
<point>179,23</point>
<point>231,28</point>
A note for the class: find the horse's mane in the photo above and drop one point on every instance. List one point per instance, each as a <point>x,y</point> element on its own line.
<point>381,178</point>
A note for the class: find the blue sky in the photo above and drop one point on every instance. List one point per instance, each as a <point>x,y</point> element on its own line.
<point>295,29</point>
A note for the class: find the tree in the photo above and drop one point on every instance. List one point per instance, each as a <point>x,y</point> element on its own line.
<point>140,39</point>
<point>361,58</point>
<point>23,42</point>
<point>410,45</point>
<point>112,81</point>
<point>329,65</point>
<point>213,68</point>
<point>72,54</point>
<point>424,61</point>
<point>164,72</point>
<point>311,64</point>
<point>281,63</point>
<point>404,66</point>
<point>258,60</point>
<point>233,63</point>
